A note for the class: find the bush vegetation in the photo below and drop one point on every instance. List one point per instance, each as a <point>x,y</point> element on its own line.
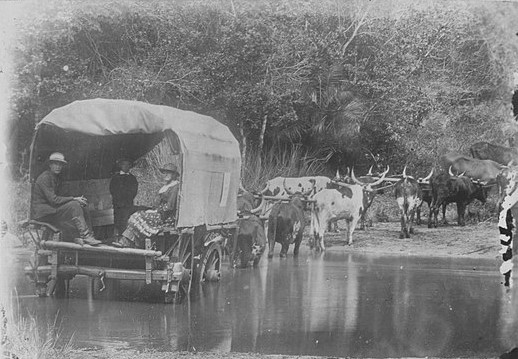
<point>306,86</point>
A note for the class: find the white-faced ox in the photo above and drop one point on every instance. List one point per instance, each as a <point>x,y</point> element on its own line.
<point>347,202</point>
<point>409,197</point>
<point>286,224</point>
<point>367,179</point>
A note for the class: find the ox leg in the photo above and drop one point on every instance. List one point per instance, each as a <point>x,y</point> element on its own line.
<point>271,245</point>
<point>298,241</point>
<point>272,235</point>
<point>444,221</point>
<point>418,216</point>
<point>350,229</point>
<point>404,226</point>
<point>432,217</point>
<point>411,220</point>
<point>284,249</point>
<point>319,239</point>
<point>461,209</point>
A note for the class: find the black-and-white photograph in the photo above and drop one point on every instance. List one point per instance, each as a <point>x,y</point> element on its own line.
<point>247,179</point>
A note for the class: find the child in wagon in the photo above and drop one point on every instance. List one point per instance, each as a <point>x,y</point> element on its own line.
<point>123,188</point>
<point>144,224</point>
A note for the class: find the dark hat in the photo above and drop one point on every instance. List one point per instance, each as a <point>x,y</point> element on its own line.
<point>169,167</point>
<point>124,159</point>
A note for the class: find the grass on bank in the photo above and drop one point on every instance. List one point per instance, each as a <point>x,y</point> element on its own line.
<point>23,339</point>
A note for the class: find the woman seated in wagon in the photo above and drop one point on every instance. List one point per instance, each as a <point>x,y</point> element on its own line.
<point>147,223</point>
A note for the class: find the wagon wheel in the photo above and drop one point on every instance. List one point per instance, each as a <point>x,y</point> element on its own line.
<point>182,252</point>
<point>209,268</point>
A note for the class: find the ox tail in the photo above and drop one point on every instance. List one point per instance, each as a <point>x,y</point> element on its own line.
<point>314,226</point>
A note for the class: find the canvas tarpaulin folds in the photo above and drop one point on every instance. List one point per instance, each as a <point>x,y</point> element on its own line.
<point>91,133</point>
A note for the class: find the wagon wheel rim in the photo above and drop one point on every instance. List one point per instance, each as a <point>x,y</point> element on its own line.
<point>211,267</point>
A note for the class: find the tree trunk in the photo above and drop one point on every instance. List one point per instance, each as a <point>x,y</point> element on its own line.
<point>243,147</point>
<point>261,141</point>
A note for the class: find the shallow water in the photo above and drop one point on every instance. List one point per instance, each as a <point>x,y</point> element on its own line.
<point>336,304</point>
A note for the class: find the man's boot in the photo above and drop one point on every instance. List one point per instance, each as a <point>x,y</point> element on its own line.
<point>85,236</point>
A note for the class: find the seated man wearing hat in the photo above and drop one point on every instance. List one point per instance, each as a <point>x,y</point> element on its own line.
<point>48,205</point>
<point>123,188</point>
<point>144,224</point>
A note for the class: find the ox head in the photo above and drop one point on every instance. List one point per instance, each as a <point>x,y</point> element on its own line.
<point>481,190</point>
<point>296,200</point>
<point>450,172</point>
<point>368,191</point>
<point>426,180</point>
<point>345,178</point>
<point>369,186</point>
<point>246,201</point>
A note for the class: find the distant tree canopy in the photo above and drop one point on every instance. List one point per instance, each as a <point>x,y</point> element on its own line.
<point>340,88</point>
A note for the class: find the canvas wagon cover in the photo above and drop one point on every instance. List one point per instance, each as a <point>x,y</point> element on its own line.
<point>211,158</point>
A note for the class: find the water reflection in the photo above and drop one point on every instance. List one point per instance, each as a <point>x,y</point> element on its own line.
<point>331,304</point>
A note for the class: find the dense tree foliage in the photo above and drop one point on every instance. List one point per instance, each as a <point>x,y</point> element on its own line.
<point>317,86</point>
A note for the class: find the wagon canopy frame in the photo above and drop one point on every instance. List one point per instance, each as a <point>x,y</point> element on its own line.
<point>92,133</point>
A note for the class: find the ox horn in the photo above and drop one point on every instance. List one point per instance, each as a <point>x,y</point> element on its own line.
<point>404,172</point>
<point>427,178</point>
<point>377,182</point>
<point>370,172</point>
<point>450,172</point>
<point>261,206</point>
<point>356,180</point>
<point>511,162</point>
<point>337,176</point>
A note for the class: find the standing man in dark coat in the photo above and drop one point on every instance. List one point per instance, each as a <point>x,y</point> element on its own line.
<point>123,188</point>
<point>48,205</point>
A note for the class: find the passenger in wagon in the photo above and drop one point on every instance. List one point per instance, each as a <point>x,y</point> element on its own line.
<point>144,224</point>
<point>123,188</point>
<point>65,212</point>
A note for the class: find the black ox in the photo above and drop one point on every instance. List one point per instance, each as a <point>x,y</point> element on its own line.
<point>286,224</point>
<point>251,239</point>
<point>454,189</point>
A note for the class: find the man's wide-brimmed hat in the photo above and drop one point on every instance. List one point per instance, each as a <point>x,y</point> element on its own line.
<point>57,157</point>
<point>169,167</point>
<point>124,159</point>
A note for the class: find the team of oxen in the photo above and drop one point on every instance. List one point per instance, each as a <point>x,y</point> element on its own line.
<point>280,206</point>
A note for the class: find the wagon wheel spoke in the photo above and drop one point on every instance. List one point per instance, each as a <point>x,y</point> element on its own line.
<point>185,252</point>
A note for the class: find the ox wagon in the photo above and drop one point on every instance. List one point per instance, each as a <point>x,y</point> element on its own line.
<point>92,134</point>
